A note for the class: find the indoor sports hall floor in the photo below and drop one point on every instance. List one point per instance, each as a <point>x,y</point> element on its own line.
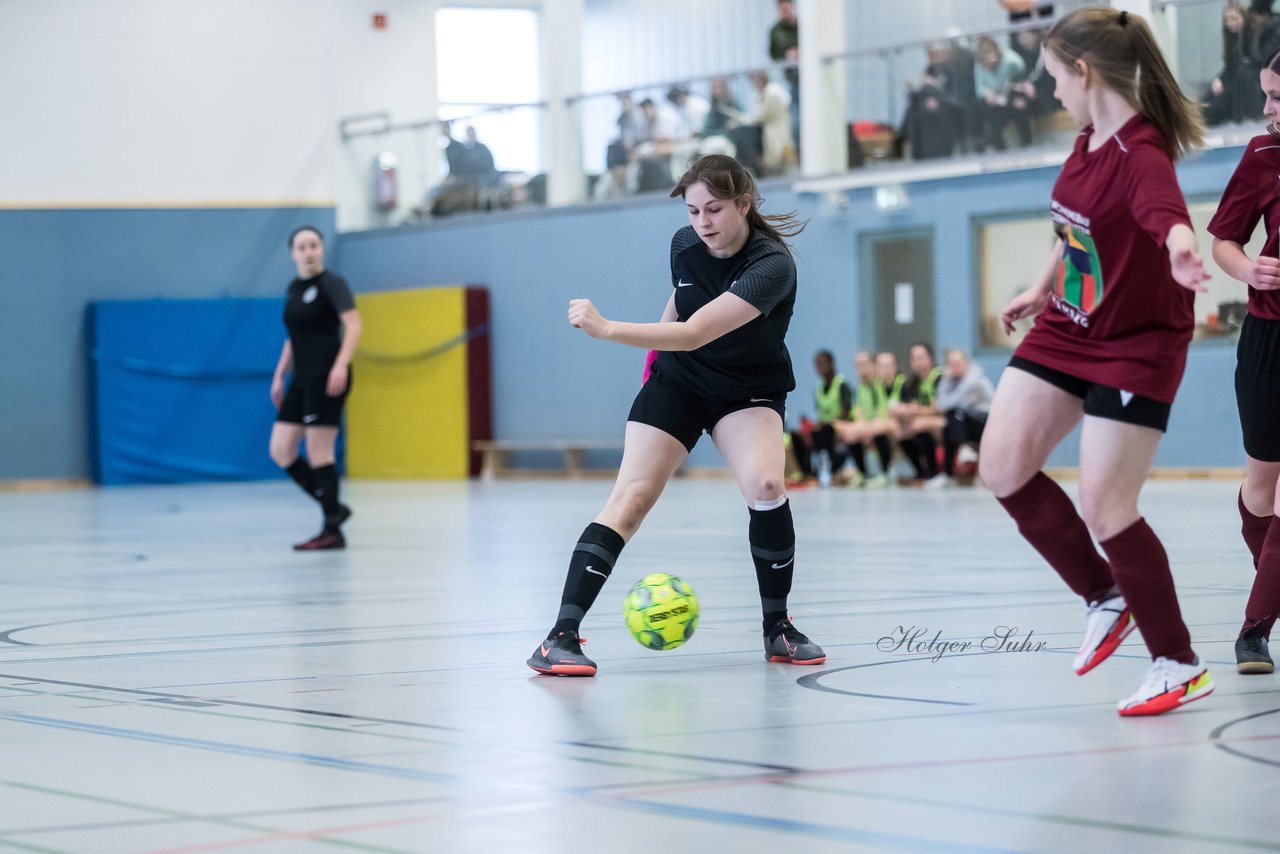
<point>174,679</point>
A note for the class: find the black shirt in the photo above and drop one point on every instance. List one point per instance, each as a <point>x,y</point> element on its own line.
<point>752,360</point>
<point>311,314</point>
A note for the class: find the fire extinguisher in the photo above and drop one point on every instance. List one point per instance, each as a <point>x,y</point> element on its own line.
<point>384,181</point>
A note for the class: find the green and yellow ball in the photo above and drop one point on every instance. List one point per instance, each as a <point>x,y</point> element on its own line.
<point>661,611</point>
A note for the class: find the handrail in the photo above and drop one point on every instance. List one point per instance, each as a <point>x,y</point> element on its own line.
<point>1161,5</point>
<point>885,50</point>
<point>667,84</point>
<point>389,126</point>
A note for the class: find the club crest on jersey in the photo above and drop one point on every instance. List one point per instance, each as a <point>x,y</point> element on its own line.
<point>309,295</point>
<point>1077,286</point>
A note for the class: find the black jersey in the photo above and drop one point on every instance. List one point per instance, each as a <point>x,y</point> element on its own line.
<point>311,315</point>
<point>753,358</point>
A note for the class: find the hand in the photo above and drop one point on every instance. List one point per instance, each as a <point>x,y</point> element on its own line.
<point>277,391</point>
<point>1264,275</point>
<point>1029,303</point>
<point>1188,269</point>
<point>1216,87</point>
<point>337,382</point>
<point>585,316</point>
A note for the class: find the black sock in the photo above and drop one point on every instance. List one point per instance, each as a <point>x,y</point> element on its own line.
<point>302,474</point>
<point>858,453</point>
<point>772,534</point>
<point>912,452</point>
<point>589,568</point>
<point>928,453</point>
<point>885,450</point>
<point>327,494</point>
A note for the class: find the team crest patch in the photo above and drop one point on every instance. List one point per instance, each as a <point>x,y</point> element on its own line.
<point>309,295</point>
<point>1079,279</point>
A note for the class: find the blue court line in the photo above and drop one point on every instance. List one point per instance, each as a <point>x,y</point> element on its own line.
<point>238,749</point>
<point>822,831</point>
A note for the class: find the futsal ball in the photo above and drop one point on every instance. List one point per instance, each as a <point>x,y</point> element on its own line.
<point>661,611</point>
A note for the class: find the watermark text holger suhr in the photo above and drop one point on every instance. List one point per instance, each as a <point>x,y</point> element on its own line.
<point>915,640</point>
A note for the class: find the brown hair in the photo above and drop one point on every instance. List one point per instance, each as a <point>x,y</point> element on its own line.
<point>1121,48</point>
<point>727,179</point>
<point>1273,65</point>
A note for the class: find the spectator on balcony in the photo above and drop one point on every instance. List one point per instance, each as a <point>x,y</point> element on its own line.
<point>935,107</point>
<point>1261,36</point>
<point>1000,103</point>
<point>1232,96</point>
<point>784,46</point>
<point>770,113</point>
<point>724,108</point>
<point>653,152</point>
<point>691,111</point>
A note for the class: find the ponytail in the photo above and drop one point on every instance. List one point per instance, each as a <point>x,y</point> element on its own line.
<point>1121,49</point>
<point>727,179</point>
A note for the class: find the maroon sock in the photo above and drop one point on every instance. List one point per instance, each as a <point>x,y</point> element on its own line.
<point>1253,529</point>
<point>1141,568</point>
<point>1049,521</point>
<point>1264,600</point>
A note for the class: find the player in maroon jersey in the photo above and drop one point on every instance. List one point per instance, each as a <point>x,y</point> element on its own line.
<point>1253,194</point>
<point>1113,312</point>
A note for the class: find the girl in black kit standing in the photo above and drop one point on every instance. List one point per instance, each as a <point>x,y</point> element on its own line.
<point>723,368</point>
<point>324,329</point>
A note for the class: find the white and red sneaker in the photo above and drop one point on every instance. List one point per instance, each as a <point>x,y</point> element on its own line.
<point>1168,685</point>
<point>1107,625</point>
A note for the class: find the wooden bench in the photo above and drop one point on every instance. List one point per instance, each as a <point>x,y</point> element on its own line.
<point>497,455</point>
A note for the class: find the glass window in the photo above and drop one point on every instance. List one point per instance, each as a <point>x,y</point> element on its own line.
<point>487,57</point>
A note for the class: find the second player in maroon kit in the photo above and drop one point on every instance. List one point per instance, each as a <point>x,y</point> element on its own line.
<point>1114,318</point>
<point>1253,194</point>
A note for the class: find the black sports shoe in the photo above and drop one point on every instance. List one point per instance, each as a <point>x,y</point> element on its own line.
<point>1252,655</point>
<point>561,655</point>
<point>787,644</point>
<point>336,522</point>
<point>323,541</point>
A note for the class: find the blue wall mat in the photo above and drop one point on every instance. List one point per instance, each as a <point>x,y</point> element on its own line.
<point>57,261</point>
<point>179,389</point>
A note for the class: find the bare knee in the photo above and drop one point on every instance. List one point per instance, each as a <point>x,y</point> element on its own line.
<point>766,489</point>
<point>628,506</point>
<point>283,454</point>
<point>1002,473</point>
<point>1105,514</point>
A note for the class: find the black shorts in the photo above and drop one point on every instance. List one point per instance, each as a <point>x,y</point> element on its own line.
<point>1102,401</point>
<point>681,413</point>
<point>1258,387</point>
<point>306,403</point>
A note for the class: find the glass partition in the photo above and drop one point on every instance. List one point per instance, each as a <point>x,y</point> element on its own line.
<point>979,93</point>
<point>468,160</point>
<point>640,140</point>
<point>1217,50</point>
<point>970,94</point>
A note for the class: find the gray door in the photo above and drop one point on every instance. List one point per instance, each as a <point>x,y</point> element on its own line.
<point>897,291</point>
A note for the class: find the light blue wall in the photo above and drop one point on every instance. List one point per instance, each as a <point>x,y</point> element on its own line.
<point>551,381</point>
<point>57,261</point>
